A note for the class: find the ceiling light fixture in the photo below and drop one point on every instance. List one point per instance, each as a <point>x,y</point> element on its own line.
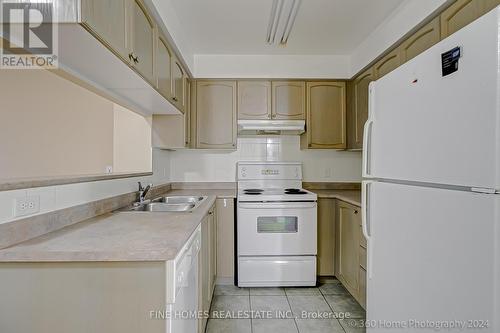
<point>290,21</point>
<point>281,21</point>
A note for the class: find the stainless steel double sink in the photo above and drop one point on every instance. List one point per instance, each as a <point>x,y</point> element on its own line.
<point>168,204</point>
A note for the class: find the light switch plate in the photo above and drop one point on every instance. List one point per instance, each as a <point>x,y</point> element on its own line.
<point>27,205</point>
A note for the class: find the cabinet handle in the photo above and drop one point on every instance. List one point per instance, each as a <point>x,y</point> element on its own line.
<point>175,99</point>
<point>210,213</point>
<point>355,212</point>
<point>133,58</point>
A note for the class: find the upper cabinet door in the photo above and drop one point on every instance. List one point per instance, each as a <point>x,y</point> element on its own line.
<point>164,72</point>
<point>420,41</point>
<point>216,114</point>
<point>326,115</point>
<point>487,5</point>
<point>178,85</point>
<point>289,100</point>
<point>143,41</point>
<point>387,64</point>
<point>359,108</point>
<point>254,100</point>
<point>458,15</point>
<point>108,20</point>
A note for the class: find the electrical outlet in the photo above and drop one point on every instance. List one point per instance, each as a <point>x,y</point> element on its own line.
<point>109,169</point>
<point>27,205</point>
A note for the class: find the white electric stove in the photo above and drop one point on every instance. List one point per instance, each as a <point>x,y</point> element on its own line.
<point>276,226</point>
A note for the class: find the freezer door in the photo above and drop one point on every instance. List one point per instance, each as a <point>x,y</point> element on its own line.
<point>428,128</point>
<point>432,258</point>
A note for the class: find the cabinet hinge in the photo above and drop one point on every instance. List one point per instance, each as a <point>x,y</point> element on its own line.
<point>484,190</point>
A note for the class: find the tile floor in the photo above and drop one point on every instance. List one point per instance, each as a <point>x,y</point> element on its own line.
<point>285,310</point>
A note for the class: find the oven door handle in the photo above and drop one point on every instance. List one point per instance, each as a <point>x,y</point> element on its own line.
<point>274,205</point>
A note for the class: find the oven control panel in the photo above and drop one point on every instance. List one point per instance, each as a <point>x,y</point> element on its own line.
<point>262,171</point>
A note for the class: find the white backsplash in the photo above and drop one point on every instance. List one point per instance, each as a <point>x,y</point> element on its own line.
<point>220,166</point>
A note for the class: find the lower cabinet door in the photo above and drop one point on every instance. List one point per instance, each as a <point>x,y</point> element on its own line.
<point>326,237</point>
<point>348,246</point>
<point>204,259</point>
<point>362,287</point>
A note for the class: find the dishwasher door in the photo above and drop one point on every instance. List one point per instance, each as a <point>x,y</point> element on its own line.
<point>184,311</point>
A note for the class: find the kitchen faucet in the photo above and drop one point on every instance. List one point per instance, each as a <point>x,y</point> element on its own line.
<point>143,192</point>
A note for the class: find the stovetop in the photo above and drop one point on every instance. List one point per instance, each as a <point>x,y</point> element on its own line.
<point>276,194</point>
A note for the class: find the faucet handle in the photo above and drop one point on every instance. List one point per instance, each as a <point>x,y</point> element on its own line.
<point>140,186</point>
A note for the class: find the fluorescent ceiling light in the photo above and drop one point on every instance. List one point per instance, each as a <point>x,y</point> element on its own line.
<point>281,21</point>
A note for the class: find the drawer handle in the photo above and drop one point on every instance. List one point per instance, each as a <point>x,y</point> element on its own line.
<point>355,212</point>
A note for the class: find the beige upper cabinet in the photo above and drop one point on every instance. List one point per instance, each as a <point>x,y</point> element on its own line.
<point>254,100</point>
<point>387,64</point>
<point>216,114</point>
<point>163,68</point>
<point>326,116</point>
<point>288,100</point>
<point>487,5</point>
<point>348,247</point>
<point>143,38</point>
<point>109,20</point>
<point>173,131</point>
<point>458,15</point>
<point>359,108</point>
<point>420,41</point>
<point>179,85</point>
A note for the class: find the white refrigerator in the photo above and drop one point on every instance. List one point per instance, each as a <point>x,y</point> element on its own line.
<point>431,181</point>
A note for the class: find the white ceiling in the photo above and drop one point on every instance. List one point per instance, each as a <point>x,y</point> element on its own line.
<point>322,27</point>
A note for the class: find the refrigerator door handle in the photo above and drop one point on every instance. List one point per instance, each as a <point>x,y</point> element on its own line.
<point>366,223</point>
<point>365,204</point>
<point>367,148</point>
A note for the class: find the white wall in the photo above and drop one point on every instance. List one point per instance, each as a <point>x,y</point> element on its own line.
<point>131,141</point>
<point>175,30</point>
<point>63,196</point>
<point>403,20</point>
<point>271,66</point>
<point>50,126</point>
<point>318,165</point>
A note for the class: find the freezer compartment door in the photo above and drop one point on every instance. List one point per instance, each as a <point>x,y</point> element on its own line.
<point>431,257</point>
<point>424,127</point>
<point>279,271</point>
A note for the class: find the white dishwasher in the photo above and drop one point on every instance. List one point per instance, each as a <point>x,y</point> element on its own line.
<point>182,287</point>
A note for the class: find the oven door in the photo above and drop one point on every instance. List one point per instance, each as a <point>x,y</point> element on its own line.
<point>277,228</point>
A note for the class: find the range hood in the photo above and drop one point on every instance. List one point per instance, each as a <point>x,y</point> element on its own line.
<point>276,127</point>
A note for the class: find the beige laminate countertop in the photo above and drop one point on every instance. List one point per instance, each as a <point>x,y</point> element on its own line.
<point>350,196</point>
<point>118,236</point>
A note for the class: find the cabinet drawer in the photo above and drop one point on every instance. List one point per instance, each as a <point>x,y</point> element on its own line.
<point>362,257</point>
